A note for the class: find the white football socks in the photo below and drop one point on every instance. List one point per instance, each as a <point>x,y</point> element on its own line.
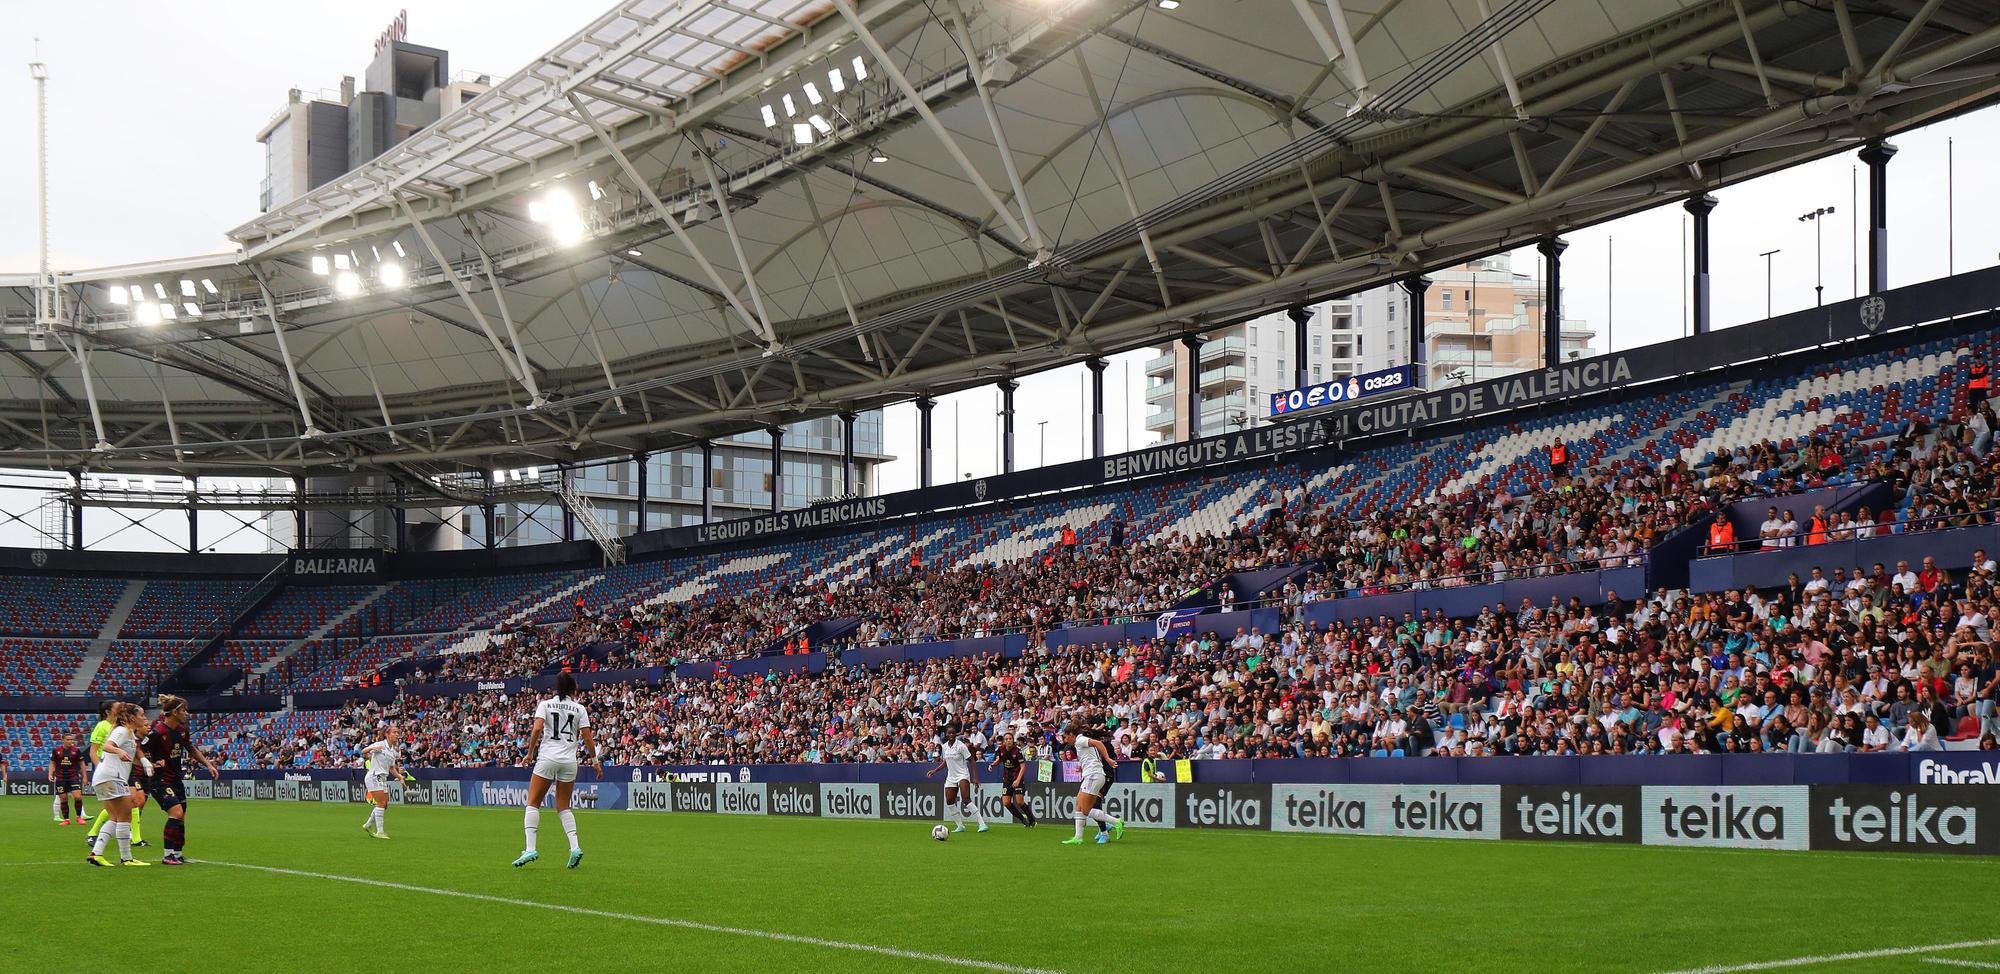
<point>569,827</point>
<point>124,840</point>
<point>531,822</point>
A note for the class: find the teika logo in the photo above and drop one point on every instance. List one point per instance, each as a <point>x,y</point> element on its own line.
<point>1224,806</point>
<point>907,802</point>
<point>693,798</point>
<point>1724,817</point>
<point>848,801</point>
<point>1902,818</point>
<point>1436,811</point>
<point>741,800</point>
<point>1308,809</point>
<point>1566,815</point>
<point>794,800</point>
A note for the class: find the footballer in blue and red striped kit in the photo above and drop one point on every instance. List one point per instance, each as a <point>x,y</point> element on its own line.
<point>164,746</point>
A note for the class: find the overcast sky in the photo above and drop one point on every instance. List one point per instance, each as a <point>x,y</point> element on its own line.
<point>154,108</point>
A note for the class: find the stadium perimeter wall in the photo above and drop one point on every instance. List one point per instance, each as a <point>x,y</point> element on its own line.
<point>1901,818</point>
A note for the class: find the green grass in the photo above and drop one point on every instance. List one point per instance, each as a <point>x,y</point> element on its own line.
<point>1157,901</point>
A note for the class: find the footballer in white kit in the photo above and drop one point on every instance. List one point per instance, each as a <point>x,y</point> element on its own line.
<point>384,764</point>
<point>559,738</point>
<point>1094,766</point>
<point>961,785</point>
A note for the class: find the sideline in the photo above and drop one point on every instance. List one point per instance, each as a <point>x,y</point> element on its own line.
<point>1770,965</point>
<point>897,952</point>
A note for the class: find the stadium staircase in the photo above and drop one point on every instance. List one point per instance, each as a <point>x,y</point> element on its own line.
<point>100,647</point>
<point>291,649</point>
<point>586,515</point>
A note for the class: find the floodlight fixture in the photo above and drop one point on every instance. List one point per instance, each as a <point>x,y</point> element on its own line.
<point>802,133</point>
<point>770,117</point>
<point>860,69</point>
<point>147,313</point>
<point>835,81</point>
<point>193,310</point>
<point>209,286</point>
<point>319,264</point>
<point>187,288</point>
<point>347,284</point>
<point>390,273</point>
<point>812,93</point>
<point>116,295</point>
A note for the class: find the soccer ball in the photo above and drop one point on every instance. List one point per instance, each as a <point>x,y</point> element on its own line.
<point>940,833</point>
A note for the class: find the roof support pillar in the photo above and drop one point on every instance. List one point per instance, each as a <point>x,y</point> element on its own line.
<point>1192,377</point>
<point>924,406</point>
<point>735,242</point>
<point>1700,205</point>
<point>1007,387</point>
<point>80,352</point>
<point>1877,155</point>
<point>1552,300</point>
<point>707,482</point>
<point>1417,286</point>
<point>980,78</point>
<point>523,370</point>
<point>1096,367</point>
<point>284,352</point>
<point>847,453</point>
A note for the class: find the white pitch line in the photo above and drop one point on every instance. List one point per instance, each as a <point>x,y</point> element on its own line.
<point>792,938</point>
<point>1955,962</point>
<point>1771,965</point>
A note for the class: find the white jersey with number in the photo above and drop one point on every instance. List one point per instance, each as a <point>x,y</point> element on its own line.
<point>957,761</point>
<point>111,767</point>
<point>563,721</point>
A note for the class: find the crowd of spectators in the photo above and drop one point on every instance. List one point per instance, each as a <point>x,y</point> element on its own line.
<point>1849,659</point>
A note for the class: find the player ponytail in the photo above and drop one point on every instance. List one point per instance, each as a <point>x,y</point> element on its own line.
<point>565,686</point>
<point>170,705</point>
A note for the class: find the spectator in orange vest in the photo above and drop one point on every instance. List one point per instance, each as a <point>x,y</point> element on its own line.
<point>1816,528</point>
<point>1721,536</point>
<point>1559,460</point>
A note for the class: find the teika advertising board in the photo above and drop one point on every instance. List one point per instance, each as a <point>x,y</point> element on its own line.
<point>1901,818</point>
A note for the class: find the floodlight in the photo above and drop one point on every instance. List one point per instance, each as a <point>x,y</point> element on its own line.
<point>819,123</point>
<point>802,133</point>
<point>167,310</point>
<point>209,286</point>
<point>319,265</point>
<point>390,273</point>
<point>159,290</point>
<point>1170,4</point>
<point>596,191</point>
<point>117,295</point>
<point>791,109</point>
<point>138,294</point>
<point>341,262</point>
<point>812,93</point>
<point>347,284</point>
<point>187,288</point>
<point>860,69</point>
<point>634,253</point>
<point>835,81</point>
<point>875,154</point>
<point>770,117</point>
<point>398,244</point>
<point>193,309</point>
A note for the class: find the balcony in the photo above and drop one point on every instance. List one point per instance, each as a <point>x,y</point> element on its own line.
<point>1160,365</point>
<point>1232,374</point>
<point>1222,348</point>
<point>1160,419</point>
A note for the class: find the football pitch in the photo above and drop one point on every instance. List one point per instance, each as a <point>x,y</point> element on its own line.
<point>298,887</point>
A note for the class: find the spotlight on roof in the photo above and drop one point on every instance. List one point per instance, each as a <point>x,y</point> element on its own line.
<point>159,290</point>
<point>342,262</point>
<point>875,154</point>
<point>398,244</point>
<point>1169,4</point>
<point>138,293</point>
<point>770,117</point>
<point>835,81</point>
<point>193,310</point>
<point>819,123</point>
<point>116,295</point>
<point>209,286</point>
<point>860,69</point>
<point>556,209</point>
<point>347,284</point>
<point>187,288</point>
<point>791,107</point>
<point>167,311</point>
<point>147,313</point>
<point>390,274</point>
<point>812,93</point>
<point>319,265</point>
<point>802,133</point>
<point>596,191</point>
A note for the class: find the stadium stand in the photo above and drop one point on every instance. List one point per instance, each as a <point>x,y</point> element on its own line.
<point>1672,670</point>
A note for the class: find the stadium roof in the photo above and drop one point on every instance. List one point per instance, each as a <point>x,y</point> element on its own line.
<point>1178,169</point>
